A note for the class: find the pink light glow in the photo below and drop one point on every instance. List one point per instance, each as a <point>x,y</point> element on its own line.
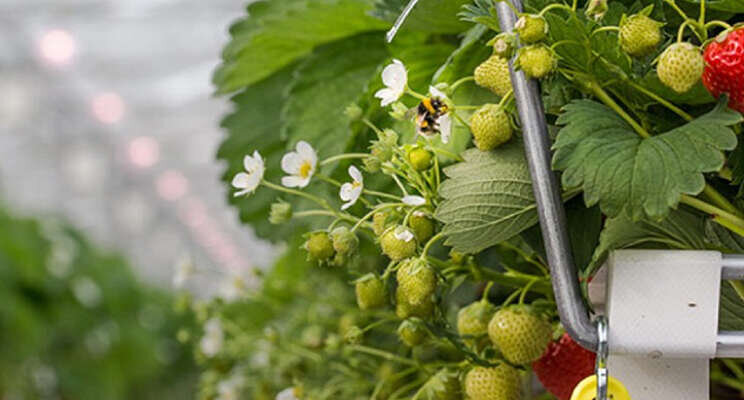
<point>108,107</point>
<point>143,152</point>
<point>57,47</point>
<point>172,185</point>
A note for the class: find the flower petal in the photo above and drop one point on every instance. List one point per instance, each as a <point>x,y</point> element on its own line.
<point>240,180</point>
<point>434,92</point>
<point>404,235</point>
<point>346,192</point>
<point>355,174</point>
<point>445,127</point>
<point>387,96</point>
<point>292,181</point>
<point>412,200</point>
<point>306,152</point>
<point>291,163</point>
<point>395,76</point>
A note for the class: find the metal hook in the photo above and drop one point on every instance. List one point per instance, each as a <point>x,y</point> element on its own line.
<point>602,354</point>
<point>390,35</point>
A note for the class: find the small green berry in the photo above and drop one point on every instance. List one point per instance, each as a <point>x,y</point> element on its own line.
<point>493,74</point>
<point>531,28</point>
<point>398,243</point>
<point>354,335</point>
<point>411,332</point>
<point>421,225</point>
<point>370,292</point>
<point>420,159</point>
<point>491,127</point>
<point>319,246</point>
<point>344,241</point>
<point>639,35</point>
<point>537,61</point>
<point>416,282</point>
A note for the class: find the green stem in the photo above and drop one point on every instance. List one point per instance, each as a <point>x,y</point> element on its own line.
<point>431,241</point>
<point>701,20</point>
<point>372,213</point>
<point>661,101</point>
<point>719,23</point>
<point>447,153</point>
<point>460,82</point>
<point>676,8</point>
<point>602,95</point>
<point>605,29</point>
<point>735,368</point>
<point>300,193</point>
<point>719,200</point>
<point>343,157</point>
<point>314,213</point>
<point>511,297</point>
<point>722,217</point>
<point>382,354</point>
<point>484,297</point>
<point>372,126</point>
<point>328,179</point>
<point>415,94</point>
<point>554,6</point>
<point>526,289</point>
<point>506,98</point>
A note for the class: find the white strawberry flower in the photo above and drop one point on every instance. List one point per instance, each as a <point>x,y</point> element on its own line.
<point>444,122</point>
<point>300,165</point>
<point>395,78</point>
<point>351,191</point>
<point>414,201</point>
<point>404,235</point>
<point>249,180</point>
<point>211,342</point>
<point>229,389</point>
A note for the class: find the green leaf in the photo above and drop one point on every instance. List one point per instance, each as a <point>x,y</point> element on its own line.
<point>433,16</point>
<point>276,33</point>
<point>734,6</point>
<point>324,84</point>
<point>731,309</point>
<point>254,125</point>
<point>600,153</point>
<point>463,61</point>
<point>695,96</point>
<point>584,228</point>
<point>681,230</point>
<point>487,198</point>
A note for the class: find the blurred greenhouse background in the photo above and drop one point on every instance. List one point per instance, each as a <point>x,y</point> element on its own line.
<point>107,119</point>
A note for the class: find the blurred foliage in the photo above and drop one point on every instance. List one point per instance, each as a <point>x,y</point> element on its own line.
<point>76,324</point>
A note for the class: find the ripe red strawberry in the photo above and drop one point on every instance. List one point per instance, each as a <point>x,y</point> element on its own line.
<point>724,67</point>
<point>563,366</point>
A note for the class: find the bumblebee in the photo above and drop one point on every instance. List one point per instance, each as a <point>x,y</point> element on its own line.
<point>427,115</point>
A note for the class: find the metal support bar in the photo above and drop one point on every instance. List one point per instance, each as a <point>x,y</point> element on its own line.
<point>571,308</point>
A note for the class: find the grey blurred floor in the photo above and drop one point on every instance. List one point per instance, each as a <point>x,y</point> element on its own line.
<point>106,117</point>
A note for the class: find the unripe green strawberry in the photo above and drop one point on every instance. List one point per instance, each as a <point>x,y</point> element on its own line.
<point>493,74</point>
<point>420,159</point>
<point>411,332</point>
<point>319,246</point>
<point>444,385</point>
<point>370,292</point>
<point>398,243</point>
<point>537,61</point>
<point>344,241</point>
<point>503,45</point>
<point>416,281</point>
<point>490,126</point>
<point>531,28</point>
<point>404,310</point>
<point>680,67</point>
<point>473,319</point>
<point>354,335</point>
<point>380,222</point>
<point>521,335</point>
<point>639,35</point>
<point>422,226</point>
<point>497,383</point>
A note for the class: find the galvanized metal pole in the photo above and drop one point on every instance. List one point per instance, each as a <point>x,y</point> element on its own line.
<point>571,308</point>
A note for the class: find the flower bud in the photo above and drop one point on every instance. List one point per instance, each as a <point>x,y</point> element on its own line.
<point>596,9</point>
<point>399,111</point>
<point>281,212</point>
<point>319,247</point>
<point>354,112</point>
<point>353,335</point>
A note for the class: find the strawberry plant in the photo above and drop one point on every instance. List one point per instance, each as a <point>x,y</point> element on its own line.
<point>395,173</point>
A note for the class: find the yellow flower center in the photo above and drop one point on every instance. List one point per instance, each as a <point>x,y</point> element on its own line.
<point>305,169</point>
<point>355,184</point>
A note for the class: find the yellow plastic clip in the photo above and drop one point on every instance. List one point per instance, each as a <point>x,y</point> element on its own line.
<point>587,389</point>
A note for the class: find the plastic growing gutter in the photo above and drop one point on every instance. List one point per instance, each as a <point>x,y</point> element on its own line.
<point>572,310</point>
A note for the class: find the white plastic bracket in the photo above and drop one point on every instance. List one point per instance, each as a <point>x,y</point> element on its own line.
<point>662,308</point>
